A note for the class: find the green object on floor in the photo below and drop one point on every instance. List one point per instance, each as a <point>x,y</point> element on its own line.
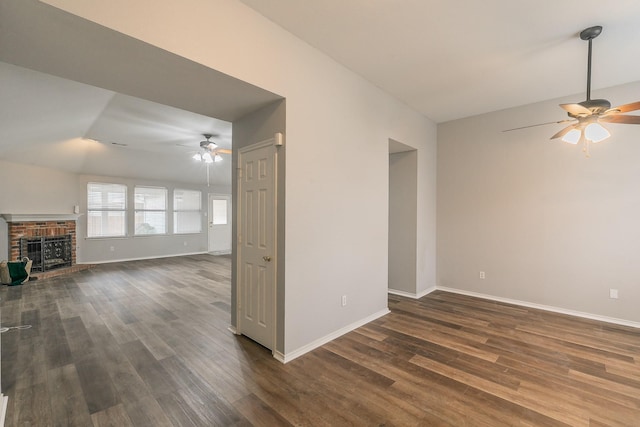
<point>18,272</point>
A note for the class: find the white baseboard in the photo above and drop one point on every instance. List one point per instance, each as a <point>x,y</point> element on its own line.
<point>288,357</point>
<point>141,258</point>
<point>276,354</point>
<point>550,308</point>
<point>279,357</point>
<point>227,252</point>
<point>3,408</point>
<point>410,295</point>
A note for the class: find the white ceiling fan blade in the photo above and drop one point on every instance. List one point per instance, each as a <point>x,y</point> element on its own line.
<point>624,108</point>
<point>621,118</point>
<point>563,132</point>
<point>539,124</point>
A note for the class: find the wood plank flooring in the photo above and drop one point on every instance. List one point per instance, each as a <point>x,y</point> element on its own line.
<point>145,343</point>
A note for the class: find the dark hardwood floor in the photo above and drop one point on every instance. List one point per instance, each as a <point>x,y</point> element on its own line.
<point>145,343</point>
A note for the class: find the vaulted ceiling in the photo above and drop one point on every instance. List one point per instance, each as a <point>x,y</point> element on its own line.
<point>65,125</point>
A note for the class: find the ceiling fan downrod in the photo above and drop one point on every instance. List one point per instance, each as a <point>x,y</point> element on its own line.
<point>590,34</point>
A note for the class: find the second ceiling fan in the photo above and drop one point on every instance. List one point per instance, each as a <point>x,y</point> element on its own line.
<point>209,151</point>
<point>587,116</point>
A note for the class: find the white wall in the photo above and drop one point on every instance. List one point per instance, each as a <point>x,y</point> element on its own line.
<point>547,225</point>
<point>32,189</point>
<point>338,126</point>
<point>26,189</point>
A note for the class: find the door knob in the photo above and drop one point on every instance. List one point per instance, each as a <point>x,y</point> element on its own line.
<point>266,258</point>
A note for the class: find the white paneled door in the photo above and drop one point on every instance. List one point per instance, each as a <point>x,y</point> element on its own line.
<point>256,242</point>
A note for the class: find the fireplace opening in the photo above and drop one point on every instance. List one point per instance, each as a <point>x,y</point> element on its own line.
<point>47,253</point>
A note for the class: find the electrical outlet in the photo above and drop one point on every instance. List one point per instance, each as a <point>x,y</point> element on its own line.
<point>613,293</point>
<point>482,275</point>
<point>344,300</point>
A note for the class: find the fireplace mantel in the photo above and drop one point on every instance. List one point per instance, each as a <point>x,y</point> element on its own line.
<point>40,217</point>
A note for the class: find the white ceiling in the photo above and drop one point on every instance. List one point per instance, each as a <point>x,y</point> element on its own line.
<point>446,58</point>
<point>456,58</point>
<point>63,80</point>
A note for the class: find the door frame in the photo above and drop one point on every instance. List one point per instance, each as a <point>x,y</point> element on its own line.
<point>273,143</point>
<point>404,256</point>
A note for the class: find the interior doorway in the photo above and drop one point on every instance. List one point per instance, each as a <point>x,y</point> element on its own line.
<point>403,208</point>
<point>219,224</point>
<point>102,57</point>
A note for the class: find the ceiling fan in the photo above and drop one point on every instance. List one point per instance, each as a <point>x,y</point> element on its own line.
<point>587,116</point>
<point>209,151</point>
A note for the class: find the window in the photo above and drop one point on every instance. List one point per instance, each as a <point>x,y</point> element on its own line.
<point>150,210</point>
<point>106,210</point>
<point>219,212</point>
<point>187,214</point>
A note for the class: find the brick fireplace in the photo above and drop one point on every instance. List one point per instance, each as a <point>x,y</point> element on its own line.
<point>26,231</point>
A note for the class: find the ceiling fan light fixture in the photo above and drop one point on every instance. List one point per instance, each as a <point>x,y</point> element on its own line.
<point>573,136</point>
<point>217,158</point>
<point>208,145</point>
<point>585,116</point>
<point>595,132</point>
<point>206,157</point>
<point>197,157</point>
